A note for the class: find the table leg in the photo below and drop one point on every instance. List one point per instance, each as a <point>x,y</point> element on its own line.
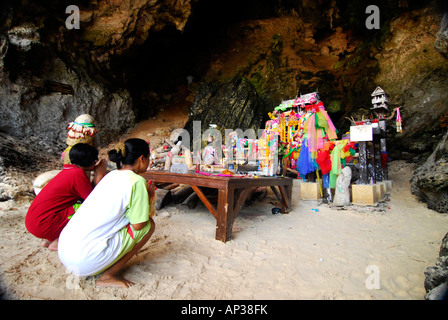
<point>286,200</point>
<point>289,194</point>
<point>224,221</point>
<point>284,196</point>
<point>205,201</point>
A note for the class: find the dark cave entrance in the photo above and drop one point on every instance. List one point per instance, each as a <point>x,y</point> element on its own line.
<point>157,71</point>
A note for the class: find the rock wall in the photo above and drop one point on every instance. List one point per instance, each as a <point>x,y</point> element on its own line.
<point>38,53</point>
<point>441,44</point>
<point>414,74</point>
<point>231,105</point>
<point>282,56</point>
<point>430,180</point>
<point>436,277</point>
<point>282,49</point>
<point>279,49</point>
<point>28,109</point>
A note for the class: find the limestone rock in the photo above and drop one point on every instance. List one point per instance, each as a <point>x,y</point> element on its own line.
<point>30,111</point>
<point>430,181</point>
<point>441,44</point>
<point>280,49</point>
<point>437,274</point>
<point>125,23</point>
<point>414,75</point>
<point>436,277</point>
<point>21,160</point>
<point>438,293</point>
<point>6,192</point>
<point>444,246</point>
<point>35,52</point>
<point>232,105</point>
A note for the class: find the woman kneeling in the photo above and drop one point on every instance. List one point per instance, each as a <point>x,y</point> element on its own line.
<point>113,223</point>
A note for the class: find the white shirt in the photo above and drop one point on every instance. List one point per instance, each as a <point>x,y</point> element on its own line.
<point>91,240</point>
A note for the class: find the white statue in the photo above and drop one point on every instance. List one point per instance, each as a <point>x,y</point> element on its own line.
<point>342,191</point>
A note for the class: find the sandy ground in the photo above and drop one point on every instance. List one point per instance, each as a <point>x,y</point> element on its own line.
<point>356,253</point>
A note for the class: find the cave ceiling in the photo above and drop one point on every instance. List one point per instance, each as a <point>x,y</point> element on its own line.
<point>128,50</point>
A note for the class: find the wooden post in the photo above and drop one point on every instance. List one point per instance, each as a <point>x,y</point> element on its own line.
<point>224,221</point>
<point>370,152</point>
<point>377,152</point>
<point>384,149</point>
<point>363,175</point>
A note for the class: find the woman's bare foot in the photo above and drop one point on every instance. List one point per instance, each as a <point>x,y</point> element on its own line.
<point>113,281</point>
<point>110,278</point>
<point>52,245</point>
<point>45,243</point>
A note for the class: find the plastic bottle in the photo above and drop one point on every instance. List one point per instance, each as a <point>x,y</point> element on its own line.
<point>179,168</point>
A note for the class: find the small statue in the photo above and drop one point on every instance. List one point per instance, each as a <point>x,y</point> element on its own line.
<point>82,130</point>
<point>342,191</point>
<point>209,154</point>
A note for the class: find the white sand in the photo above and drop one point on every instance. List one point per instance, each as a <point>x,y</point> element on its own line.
<point>301,255</point>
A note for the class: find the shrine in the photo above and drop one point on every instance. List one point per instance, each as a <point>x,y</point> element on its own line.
<point>308,147</point>
<point>300,141</point>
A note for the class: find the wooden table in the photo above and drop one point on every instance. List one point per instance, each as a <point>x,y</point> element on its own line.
<point>232,192</point>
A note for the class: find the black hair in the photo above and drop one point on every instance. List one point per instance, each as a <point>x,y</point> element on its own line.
<point>134,148</point>
<point>83,155</point>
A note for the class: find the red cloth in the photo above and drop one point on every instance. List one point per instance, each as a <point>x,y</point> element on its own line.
<point>49,212</point>
<point>384,160</point>
<point>324,161</point>
<point>314,107</point>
